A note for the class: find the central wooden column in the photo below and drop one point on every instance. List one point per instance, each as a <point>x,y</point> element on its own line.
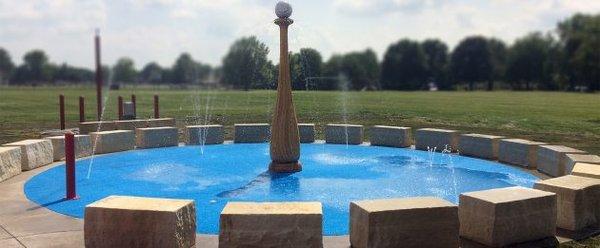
<point>285,138</point>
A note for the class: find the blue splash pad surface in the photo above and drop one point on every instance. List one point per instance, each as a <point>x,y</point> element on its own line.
<point>332,174</point>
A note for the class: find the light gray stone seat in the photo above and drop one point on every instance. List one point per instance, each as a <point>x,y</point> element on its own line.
<point>120,221</point>
<point>506,216</point>
<point>586,170</point>
<point>204,134</point>
<point>409,222</point>
<point>83,146</point>
<point>578,200</point>
<point>10,162</point>
<point>252,133</point>
<point>162,122</point>
<point>153,137</point>
<point>479,145</point>
<point>438,139</point>
<point>112,141</point>
<point>572,159</point>
<point>96,126</point>
<point>344,134</point>
<point>519,152</point>
<point>307,132</point>
<point>34,153</point>
<point>552,159</point>
<point>390,136</point>
<point>131,124</point>
<point>267,224</point>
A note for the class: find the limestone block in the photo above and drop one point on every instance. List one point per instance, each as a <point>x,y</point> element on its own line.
<point>119,221</point>
<point>131,124</point>
<point>307,132</point>
<point>96,126</point>
<point>34,153</point>
<point>519,152</point>
<point>204,134</point>
<point>409,222</point>
<point>501,217</point>
<point>439,139</point>
<point>83,146</point>
<point>284,224</point>
<point>479,145</point>
<point>391,136</point>
<point>344,134</point>
<point>552,159</point>
<point>578,201</point>
<point>162,122</point>
<point>10,162</point>
<point>153,137</point>
<point>572,159</point>
<point>252,133</point>
<point>586,170</point>
<point>113,141</point>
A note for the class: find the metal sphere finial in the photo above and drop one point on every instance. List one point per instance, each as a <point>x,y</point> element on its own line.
<point>283,9</point>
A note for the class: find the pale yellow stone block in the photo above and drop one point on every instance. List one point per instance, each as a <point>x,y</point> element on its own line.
<point>552,159</point>
<point>34,153</point>
<point>438,139</point>
<point>10,162</point>
<point>153,137</point>
<point>204,135</point>
<point>519,152</point>
<point>586,170</point>
<point>479,145</point>
<point>252,133</point>
<point>112,141</point>
<point>83,146</point>
<point>344,134</point>
<point>390,136</point>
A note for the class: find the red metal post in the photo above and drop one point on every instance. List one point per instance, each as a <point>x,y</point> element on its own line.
<point>61,102</point>
<point>81,109</point>
<point>70,165</point>
<point>98,75</point>
<point>120,108</point>
<point>156,111</point>
<point>134,106</point>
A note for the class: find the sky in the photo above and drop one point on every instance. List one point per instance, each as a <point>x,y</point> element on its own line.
<point>160,30</point>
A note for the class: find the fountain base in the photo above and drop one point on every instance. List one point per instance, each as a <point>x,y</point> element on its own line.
<point>285,167</point>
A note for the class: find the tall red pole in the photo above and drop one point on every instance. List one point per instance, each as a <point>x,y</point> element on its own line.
<point>70,165</point>
<point>120,107</point>
<point>81,109</point>
<point>61,102</point>
<point>98,75</point>
<point>156,111</point>
<point>134,105</point>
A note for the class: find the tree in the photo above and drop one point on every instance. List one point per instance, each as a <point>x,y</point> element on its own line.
<point>528,59</point>
<point>306,66</point>
<point>188,71</point>
<point>404,66</point>
<point>498,60</point>
<point>67,73</point>
<point>246,65</point>
<point>580,39</point>
<point>6,65</point>
<point>35,69</point>
<point>436,55</point>
<point>352,71</point>
<point>471,61</point>
<point>152,73</point>
<point>124,71</point>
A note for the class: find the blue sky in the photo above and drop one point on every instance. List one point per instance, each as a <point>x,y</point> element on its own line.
<point>159,30</point>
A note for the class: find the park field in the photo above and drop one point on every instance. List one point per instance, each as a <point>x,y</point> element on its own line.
<point>572,119</point>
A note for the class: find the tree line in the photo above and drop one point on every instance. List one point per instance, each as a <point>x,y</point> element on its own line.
<point>565,59</point>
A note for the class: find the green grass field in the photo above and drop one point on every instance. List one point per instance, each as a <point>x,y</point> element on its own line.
<point>572,119</point>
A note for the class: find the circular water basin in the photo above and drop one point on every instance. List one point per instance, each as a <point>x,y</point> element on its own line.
<point>214,175</point>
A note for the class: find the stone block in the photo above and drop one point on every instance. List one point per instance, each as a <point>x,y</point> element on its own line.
<point>391,136</point>
<point>252,133</point>
<point>10,162</point>
<point>34,153</point>
<point>113,141</point>
<point>284,224</point>
<point>153,137</point>
<point>96,126</point>
<point>519,152</point>
<point>162,122</point>
<point>410,222</point>
<point>552,159</point>
<point>479,145</point>
<point>131,124</point>
<point>344,134</point>
<point>83,146</point>
<point>307,132</point>
<point>506,216</point>
<point>586,170</point>
<point>439,139</point>
<point>572,159</point>
<point>204,135</point>
<point>578,201</point>
<point>119,221</point>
